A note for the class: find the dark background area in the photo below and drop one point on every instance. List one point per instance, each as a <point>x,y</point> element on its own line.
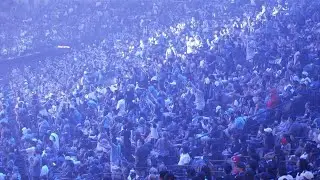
<point>31,59</point>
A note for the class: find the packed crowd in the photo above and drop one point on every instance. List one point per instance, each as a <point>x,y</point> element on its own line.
<point>163,90</point>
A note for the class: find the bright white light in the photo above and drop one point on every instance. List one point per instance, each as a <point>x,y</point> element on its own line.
<point>63,47</point>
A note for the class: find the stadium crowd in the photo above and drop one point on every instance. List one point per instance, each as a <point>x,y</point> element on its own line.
<point>166,90</point>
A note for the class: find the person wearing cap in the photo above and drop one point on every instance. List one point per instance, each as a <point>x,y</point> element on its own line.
<point>269,139</point>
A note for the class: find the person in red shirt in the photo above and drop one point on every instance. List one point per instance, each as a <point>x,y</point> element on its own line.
<point>274,99</point>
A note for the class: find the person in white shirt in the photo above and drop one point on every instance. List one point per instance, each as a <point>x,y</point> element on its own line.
<point>92,95</point>
<point>171,51</point>
<point>101,90</point>
<point>44,172</point>
<point>153,132</point>
<point>184,157</point>
<point>55,140</point>
<point>305,175</point>
<point>190,45</point>
<point>199,99</point>
<point>121,106</point>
